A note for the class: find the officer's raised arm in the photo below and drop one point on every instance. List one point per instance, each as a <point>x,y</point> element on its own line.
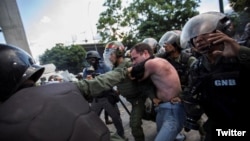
<point>101,82</point>
<point>231,47</point>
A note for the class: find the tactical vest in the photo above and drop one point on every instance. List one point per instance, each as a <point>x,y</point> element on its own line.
<point>221,90</point>
<point>53,112</point>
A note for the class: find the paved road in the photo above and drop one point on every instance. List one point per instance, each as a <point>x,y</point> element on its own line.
<point>149,127</point>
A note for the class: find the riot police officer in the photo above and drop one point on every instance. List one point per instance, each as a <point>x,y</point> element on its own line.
<point>107,100</point>
<point>219,78</point>
<point>48,112</point>
<point>114,55</point>
<point>94,68</point>
<point>179,58</point>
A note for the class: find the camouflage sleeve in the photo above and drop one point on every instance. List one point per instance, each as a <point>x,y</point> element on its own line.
<point>191,61</point>
<point>101,82</point>
<point>244,56</point>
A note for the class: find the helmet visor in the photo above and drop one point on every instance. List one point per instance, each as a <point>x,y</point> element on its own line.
<point>106,56</point>
<point>198,25</point>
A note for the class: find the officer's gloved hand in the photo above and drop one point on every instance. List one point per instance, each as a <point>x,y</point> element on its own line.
<point>193,111</point>
<point>138,70</point>
<point>191,123</point>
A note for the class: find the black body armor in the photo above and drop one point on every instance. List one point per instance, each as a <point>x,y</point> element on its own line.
<point>53,112</point>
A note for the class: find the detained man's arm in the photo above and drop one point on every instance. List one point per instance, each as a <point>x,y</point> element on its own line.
<point>102,82</point>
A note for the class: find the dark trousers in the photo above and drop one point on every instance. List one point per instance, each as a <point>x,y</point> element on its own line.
<point>100,104</point>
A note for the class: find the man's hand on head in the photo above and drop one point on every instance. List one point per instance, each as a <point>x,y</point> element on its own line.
<point>231,47</point>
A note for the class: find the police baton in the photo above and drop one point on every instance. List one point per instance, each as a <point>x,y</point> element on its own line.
<point>118,93</point>
<point>124,106</point>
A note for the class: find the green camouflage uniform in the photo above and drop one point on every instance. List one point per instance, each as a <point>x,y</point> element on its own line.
<point>129,89</point>
<point>101,83</point>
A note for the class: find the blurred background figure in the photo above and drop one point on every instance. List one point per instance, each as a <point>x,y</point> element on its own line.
<point>79,76</point>
<point>245,37</point>
<point>55,78</point>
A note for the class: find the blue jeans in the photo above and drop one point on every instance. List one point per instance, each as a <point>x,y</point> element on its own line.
<point>169,120</point>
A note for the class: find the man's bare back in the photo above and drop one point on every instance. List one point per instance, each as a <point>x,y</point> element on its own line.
<point>168,88</point>
<point>164,77</point>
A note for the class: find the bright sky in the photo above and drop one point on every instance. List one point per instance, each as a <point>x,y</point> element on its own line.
<point>48,22</point>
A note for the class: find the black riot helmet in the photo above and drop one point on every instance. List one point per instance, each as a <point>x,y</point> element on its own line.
<point>205,23</point>
<point>17,66</point>
<point>93,54</point>
<point>171,37</point>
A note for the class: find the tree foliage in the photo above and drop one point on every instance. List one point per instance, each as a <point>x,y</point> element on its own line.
<point>242,16</point>
<point>239,5</point>
<point>65,57</point>
<point>143,18</point>
<point>110,21</point>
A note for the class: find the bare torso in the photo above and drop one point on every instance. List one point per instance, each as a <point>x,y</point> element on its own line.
<point>164,77</point>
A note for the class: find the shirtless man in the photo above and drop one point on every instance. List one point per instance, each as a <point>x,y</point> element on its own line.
<point>170,111</point>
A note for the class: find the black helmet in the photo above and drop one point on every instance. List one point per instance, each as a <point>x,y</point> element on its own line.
<point>205,23</point>
<point>17,67</point>
<point>93,54</point>
<point>171,37</point>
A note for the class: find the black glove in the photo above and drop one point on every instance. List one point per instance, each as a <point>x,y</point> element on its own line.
<point>138,70</point>
<point>194,113</point>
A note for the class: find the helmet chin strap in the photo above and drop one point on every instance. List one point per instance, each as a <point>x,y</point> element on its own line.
<point>28,83</point>
<point>116,62</point>
<point>95,65</point>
